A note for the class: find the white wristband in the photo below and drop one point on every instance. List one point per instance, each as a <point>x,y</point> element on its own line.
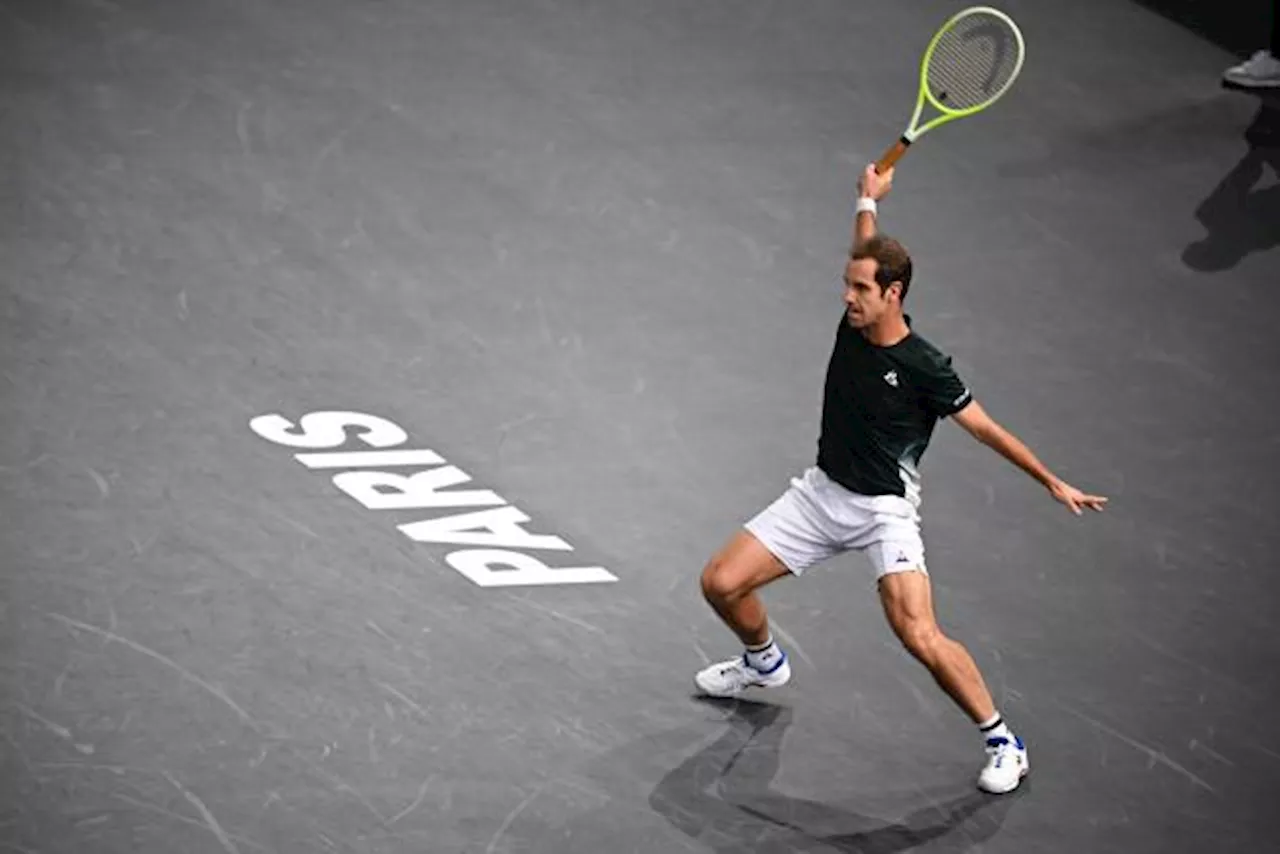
<point>866,205</point>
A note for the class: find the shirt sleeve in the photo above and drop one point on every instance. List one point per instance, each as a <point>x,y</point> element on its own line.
<point>942,390</point>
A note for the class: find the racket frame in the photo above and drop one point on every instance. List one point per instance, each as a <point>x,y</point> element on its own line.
<point>948,114</point>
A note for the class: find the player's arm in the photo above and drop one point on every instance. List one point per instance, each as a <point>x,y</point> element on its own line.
<point>981,426</point>
<point>864,227</point>
<point>974,419</point>
<point>872,187</point>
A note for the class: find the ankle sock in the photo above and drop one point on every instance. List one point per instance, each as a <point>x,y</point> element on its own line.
<point>764,657</point>
<point>995,728</point>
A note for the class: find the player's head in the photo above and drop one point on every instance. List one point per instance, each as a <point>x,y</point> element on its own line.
<point>876,279</point>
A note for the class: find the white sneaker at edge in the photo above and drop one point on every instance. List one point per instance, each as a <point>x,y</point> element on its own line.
<point>730,678</point>
<point>1262,70</point>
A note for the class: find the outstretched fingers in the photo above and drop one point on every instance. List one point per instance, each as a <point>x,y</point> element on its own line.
<point>1094,502</point>
<point>1077,501</point>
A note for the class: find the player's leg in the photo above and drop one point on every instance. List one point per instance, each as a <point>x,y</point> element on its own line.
<point>896,549</point>
<point>730,582</point>
<point>784,539</point>
<point>908,606</point>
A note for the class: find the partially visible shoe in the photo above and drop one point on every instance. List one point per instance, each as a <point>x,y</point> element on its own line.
<point>1261,71</point>
<point>730,678</point>
<point>1006,765</point>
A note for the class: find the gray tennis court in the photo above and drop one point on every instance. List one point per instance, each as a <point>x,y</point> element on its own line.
<point>581,260</point>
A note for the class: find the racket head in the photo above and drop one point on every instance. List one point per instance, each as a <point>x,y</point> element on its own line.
<point>970,63</point>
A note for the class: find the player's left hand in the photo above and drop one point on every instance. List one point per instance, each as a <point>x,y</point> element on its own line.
<point>1076,500</point>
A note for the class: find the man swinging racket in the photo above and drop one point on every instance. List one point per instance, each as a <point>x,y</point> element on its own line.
<point>886,387</point>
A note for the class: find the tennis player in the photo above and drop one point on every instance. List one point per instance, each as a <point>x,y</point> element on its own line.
<point>886,387</point>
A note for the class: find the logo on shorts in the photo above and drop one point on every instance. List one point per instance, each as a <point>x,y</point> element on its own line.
<point>892,378</point>
<point>902,558</point>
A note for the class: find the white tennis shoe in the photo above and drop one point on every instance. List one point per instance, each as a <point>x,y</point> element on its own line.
<point>730,678</point>
<point>1006,765</point>
<point>1262,70</point>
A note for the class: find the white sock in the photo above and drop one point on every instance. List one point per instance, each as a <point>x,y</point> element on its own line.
<point>764,657</point>
<point>995,728</point>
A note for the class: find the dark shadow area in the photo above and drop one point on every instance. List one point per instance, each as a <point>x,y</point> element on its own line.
<point>721,797</point>
<point>1242,214</point>
<point>708,786</point>
<point>1176,132</point>
<point>1239,26</point>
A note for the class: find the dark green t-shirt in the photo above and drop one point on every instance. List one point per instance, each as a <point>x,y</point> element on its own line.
<point>879,408</point>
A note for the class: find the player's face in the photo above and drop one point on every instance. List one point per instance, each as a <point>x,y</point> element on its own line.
<point>864,302</point>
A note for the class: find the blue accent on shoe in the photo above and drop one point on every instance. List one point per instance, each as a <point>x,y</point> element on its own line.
<point>782,659</point>
<point>997,740</point>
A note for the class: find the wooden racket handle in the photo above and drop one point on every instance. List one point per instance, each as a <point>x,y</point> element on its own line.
<point>892,154</point>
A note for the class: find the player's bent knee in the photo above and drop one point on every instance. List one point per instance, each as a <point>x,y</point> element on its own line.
<point>739,569</point>
<point>721,582</point>
<point>713,582</point>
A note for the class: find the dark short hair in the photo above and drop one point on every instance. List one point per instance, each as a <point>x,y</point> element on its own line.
<point>893,263</point>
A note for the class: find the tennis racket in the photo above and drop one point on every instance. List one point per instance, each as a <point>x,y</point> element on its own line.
<point>970,63</point>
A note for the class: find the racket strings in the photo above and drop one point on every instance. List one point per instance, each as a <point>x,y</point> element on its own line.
<point>972,62</point>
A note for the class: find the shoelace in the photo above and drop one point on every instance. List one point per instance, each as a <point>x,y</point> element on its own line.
<point>996,748</point>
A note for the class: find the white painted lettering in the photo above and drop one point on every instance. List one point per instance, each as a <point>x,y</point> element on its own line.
<point>368,459</point>
<point>499,528</point>
<point>482,567</point>
<point>328,430</point>
<point>494,532</point>
<point>415,491</point>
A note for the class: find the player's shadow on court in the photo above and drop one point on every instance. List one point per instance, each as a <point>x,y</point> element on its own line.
<point>1242,214</point>
<point>720,796</point>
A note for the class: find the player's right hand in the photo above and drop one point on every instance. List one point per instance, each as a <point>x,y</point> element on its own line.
<point>873,184</point>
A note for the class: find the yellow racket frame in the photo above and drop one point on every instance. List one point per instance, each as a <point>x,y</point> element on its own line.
<point>948,114</point>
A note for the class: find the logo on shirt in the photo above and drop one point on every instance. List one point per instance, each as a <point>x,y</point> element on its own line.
<point>892,378</point>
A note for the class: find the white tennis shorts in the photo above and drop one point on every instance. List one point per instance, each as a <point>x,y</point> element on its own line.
<point>817,519</point>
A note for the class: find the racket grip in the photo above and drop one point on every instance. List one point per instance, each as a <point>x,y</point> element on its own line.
<point>892,154</point>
